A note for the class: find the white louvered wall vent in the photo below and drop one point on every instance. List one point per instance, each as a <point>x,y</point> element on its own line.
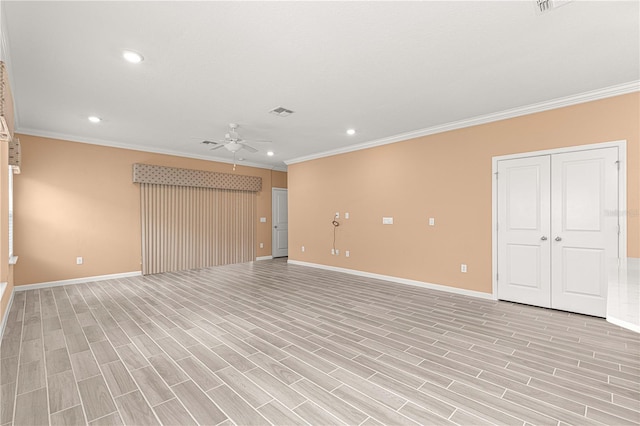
<point>281,112</point>
<point>545,6</point>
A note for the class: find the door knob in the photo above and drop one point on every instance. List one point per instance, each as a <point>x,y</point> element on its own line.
<point>543,238</point>
<point>276,226</point>
<point>558,239</point>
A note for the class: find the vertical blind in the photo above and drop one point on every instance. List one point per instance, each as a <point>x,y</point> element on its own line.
<point>186,227</point>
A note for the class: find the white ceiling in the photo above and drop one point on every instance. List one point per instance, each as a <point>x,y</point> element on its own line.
<point>383,68</point>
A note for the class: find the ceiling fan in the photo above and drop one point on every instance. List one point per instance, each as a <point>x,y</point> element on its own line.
<point>232,141</point>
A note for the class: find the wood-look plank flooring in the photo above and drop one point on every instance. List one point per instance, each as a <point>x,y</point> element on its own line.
<point>272,343</point>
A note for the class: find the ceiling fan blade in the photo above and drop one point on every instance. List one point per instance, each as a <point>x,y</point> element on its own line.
<point>249,148</point>
<point>257,140</point>
<point>216,147</point>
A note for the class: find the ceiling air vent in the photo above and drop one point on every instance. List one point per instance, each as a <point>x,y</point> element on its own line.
<point>281,112</point>
<point>545,6</point>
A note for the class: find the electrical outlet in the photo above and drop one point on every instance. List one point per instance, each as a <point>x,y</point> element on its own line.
<point>337,215</point>
<point>79,260</point>
<point>337,252</point>
<point>346,253</point>
<point>263,220</point>
<point>387,221</point>
<point>463,268</point>
<point>333,252</point>
<point>302,249</point>
<point>261,245</point>
<point>346,215</point>
<point>432,221</point>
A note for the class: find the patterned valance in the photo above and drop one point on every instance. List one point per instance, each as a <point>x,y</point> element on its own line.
<point>15,156</point>
<point>147,173</point>
<point>6,106</point>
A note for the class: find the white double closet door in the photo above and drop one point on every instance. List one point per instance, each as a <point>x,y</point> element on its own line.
<point>558,229</point>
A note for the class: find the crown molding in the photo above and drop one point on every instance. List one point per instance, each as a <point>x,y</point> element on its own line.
<point>594,95</point>
<point>112,144</point>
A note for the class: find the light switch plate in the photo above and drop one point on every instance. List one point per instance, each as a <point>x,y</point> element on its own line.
<point>387,221</point>
<point>263,219</point>
<point>432,221</point>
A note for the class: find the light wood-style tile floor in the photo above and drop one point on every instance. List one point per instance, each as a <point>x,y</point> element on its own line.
<point>273,343</point>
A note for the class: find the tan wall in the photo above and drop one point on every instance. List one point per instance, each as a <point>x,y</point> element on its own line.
<point>446,176</point>
<point>75,199</point>
<point>5,269</point>
<point>278,179</point>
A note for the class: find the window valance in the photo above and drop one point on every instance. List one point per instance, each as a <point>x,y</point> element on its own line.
<point>147,173</point>
<point>15,156</point>
<point>6,106</point>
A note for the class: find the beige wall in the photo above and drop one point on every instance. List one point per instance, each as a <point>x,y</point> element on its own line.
<point>6,271</point>
<point>5,268</point>
<point>75,199</point>
<point>446,176</point>
<point>278,179</point>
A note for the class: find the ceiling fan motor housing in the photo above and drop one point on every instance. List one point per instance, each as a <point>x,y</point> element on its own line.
<point>233,146</point>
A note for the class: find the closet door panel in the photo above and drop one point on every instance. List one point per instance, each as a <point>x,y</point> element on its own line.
<point>523,230</point>
<point>584,228</point>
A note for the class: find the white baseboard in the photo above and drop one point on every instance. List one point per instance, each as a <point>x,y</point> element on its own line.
<point>6,315</point>
<point>624,324</point>
<point>264,258</point>
<point>76,281</point>
<point>399,280</point>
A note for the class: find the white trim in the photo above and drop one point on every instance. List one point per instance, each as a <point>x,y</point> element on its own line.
<point>76,281</point>
<point>622,196</point>
<point>438,287</point>
<point>624,324</point>
<point>607,92</point>
<point>133,147</point>
<point>6,312</point>
<point>264,258</point>
<point>13,260</point>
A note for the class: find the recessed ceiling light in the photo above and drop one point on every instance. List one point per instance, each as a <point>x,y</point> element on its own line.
<point>95,119</point>
<point>133,57</point>
<point>351,132</point>
<point>270,153</point>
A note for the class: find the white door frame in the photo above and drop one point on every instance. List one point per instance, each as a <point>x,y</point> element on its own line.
<point>622,197</point>
<point>273,233</point>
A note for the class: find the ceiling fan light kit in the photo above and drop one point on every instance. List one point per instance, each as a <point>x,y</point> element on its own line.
<point>234,146</point>
<point>232,142</point>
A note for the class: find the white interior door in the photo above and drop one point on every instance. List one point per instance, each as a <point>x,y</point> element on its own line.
<point>524,230</point>
<point>558,229</point>
<point>280,223</point>
<point>585,228</point>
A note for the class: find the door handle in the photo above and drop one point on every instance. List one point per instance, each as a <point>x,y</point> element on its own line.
<point>543,238</point>
<point>558,239</point>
